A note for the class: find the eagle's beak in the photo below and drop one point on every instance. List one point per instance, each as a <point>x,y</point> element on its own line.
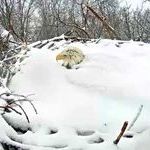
<point>59,57</point>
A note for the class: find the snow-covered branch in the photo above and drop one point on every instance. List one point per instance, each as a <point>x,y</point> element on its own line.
<point>11,55</point>
<point>136,117</point>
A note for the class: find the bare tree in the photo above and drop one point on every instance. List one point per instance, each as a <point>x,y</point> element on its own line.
<point>16,16</point>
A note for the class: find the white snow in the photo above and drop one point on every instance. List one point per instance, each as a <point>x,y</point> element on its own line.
<point>94,100</point>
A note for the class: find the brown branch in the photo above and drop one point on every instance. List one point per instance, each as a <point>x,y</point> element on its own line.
<point>11,101</point>
<point>36,45</point>
<point>14,110</point>
<point>7,107</point>
<point>110,30</point>
<point>73,26</point>
<point>43,44</point>
<point>24,100</point>
<point>51,45</point>
<point>81,29</point>
<point>23,112</point>
<point>76,38</point>
<point>121,133</point>
<point>72,38</point>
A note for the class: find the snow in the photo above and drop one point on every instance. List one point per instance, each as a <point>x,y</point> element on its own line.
<point>82,106</point>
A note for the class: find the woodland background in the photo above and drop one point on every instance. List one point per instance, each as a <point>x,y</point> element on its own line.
<point>34,20</point>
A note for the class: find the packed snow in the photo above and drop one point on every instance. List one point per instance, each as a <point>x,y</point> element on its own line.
<point>84,107</point>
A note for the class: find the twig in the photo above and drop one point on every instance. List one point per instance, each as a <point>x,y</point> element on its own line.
<point>121,133</point>
<point>136,117</point>
<point>23,112</point>
<point>51,45</point>
<point>12,94</point>
<point>36,45</point>
<point>14,110</point>
<point>14,42</point>
<point>76,38</point>
<point>110,30</point>
<point>9,58</point>
<point>9,107</point>
<point>23,100</point>
<point>43,44</point>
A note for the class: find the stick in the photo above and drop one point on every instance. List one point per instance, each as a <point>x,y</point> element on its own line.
<point>9,107</point>
<point>25,100</point>
<point>136,117</point>
<point>121,133</point>
<point>23,112</point>
<point>110,30</point>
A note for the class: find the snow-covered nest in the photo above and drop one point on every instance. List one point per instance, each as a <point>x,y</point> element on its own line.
<point>83,108</point>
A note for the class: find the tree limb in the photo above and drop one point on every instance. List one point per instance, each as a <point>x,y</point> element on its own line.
<point>135,118</point>
<point>110,30</point>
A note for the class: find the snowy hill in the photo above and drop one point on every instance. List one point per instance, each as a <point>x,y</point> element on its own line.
<point>85,108</point>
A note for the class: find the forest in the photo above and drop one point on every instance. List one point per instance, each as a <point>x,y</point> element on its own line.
<point>34,20</point>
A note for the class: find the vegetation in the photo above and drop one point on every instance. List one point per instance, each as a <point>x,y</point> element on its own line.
<point>33,20</point>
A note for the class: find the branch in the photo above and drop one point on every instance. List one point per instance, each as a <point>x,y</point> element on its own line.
<point>7,107</point>
<point>72,38</point>
<point>73,26</point>
<point>24,100</point>
<point>121,133</point>
<point>20,98</point>
<point>23,112</point>
<point>110,30</point>
<point>136,117</point>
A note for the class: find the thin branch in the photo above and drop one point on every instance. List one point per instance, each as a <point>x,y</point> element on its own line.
<point>11,101</point>
<point>23,100</point>
<point>10,58</point>
<point>12,94</point>
<point>36,45</point>
<point>136,117</point>
<point>23,112</point>
<point>9,107</point>
<point>72,38</point>
<point>74,26</point>
<point>121,133</point>
<point>110,30</point>
<point>14,110</point>
<point>43,44</point>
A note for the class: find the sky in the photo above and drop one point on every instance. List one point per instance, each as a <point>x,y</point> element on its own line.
<point>134,3</point>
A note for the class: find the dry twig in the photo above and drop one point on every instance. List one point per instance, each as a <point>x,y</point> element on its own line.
<point>110,30</point>
<point>136,117</point>
<point>121,133</point>
<point>25,100</point>
<point>10,101</point>
<point>7,107</point>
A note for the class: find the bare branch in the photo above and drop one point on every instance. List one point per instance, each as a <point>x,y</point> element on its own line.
<point>23,112</point>
<point>112,33</point>
<point>135,118</point>
<point>7,107</point>
<point>24,100</point>
<point>121,133</point>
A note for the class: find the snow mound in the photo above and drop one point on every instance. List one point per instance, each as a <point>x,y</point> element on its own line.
<point>85,108</point>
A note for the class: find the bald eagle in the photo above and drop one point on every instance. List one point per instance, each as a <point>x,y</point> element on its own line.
<point>70,56</point>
